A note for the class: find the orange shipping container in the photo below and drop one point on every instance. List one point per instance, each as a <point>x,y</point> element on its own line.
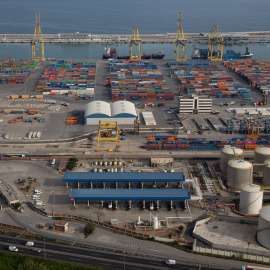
<point>24,96</point>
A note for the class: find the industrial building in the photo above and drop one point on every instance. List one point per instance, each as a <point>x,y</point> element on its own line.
<point>127,194</point>
<point>7,195</point>
<point>128,177</point>
<point>123,112</point>
<point>197,104</point>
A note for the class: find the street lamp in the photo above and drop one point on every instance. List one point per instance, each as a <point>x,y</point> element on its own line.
<point>44,249</point>
<point>53,203</point>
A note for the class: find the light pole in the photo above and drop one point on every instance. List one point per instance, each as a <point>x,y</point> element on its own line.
<point>53,203</point>
<point>44,249</point>
<point>124,260</point>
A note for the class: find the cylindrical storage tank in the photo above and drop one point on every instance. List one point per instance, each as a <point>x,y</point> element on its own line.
<point>239,173</point>
<point>261,155</point>
<point>227,154</point>
<point>266,173</point>
<point>155,222</point>
<point>263,233</point>
<point>251,199</point>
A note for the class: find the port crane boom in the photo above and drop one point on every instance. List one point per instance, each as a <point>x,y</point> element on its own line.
<point>180,41</point>
<point>214,37</point>
<point>37,39</point>
<point>135,40</point>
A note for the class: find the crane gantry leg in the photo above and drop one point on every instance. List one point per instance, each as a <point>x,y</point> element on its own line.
<point>37,39</point>
<point>135,40</point>
<point>180,41</point>
<point>214,37</point>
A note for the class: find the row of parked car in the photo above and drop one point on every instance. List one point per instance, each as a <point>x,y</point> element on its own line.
<point>36,197</point>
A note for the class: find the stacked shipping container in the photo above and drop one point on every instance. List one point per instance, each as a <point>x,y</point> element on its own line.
<point>136,80</point>
<point>256,73</point>
<point>68,78</point>
<point>205,78</point>
<point>16,74</point>
<point>165,142</point>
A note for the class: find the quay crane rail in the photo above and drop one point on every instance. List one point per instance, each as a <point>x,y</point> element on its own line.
<point>214,37</point>
<point>37,39</point>
<point>135,40</point>
<point>180,41</point>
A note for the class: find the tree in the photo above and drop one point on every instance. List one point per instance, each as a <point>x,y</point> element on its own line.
<point>170,235</point>
<point>72,163</point>
<point>35,180</point>
<point>27,187</point>
<point>23,181</point>
<point>17,205</point>
<point>180,230</point>
<point>89,229</point>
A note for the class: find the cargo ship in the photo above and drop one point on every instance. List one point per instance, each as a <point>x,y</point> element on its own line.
<point>230,54</point>
<point>111,53</point>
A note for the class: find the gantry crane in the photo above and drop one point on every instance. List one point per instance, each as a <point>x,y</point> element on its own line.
<point>3,62</point>
<point>11,62</point>
<point>180,40</point>
<point>105,133</point>
<point>37,39</point>
<point>252,129</point>
<point>135,40</point>
<point>214,37</point>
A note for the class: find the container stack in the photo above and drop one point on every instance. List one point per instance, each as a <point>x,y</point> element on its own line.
<point>136,80</point>
<point>256,73</point>
<point>72,79</point>
<point>17,74</point>
<point>163,142</point>
<point>205,78</point>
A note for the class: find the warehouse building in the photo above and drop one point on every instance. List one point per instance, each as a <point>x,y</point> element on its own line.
<point>197,104</point>
<point>123,112</point>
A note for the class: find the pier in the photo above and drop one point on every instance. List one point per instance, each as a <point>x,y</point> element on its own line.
<point>229,38</point>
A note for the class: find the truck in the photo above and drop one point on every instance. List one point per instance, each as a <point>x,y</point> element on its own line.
<point>29,243</point>
<point>13,248</point>
<point>50,101</point>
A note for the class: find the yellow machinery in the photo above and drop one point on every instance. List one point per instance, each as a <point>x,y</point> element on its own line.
<point>105,133</point>
<point>37,39</point>
<point>3,62</point>
<point>214,38</point>
<point>135,40</point>
<point>180,40</point>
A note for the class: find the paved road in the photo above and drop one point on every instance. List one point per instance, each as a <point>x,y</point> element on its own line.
<point>106,239</point>
<point>91,257</point>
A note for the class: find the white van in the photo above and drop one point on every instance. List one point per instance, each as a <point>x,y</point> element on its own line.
<point>170,262</point>
<point>38,192</point>
<point>29,243</point>
<point>40,203</point>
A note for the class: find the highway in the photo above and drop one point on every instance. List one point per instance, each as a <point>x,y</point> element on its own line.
<point>107,260</point>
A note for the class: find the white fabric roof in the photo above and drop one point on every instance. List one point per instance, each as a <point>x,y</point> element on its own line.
<point>123,106</point>
<point>98,106</point>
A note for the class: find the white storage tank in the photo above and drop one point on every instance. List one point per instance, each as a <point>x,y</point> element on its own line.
<point>239,172</point>
<point>263,233</point>
<point>266,173</point>
<point>261,155</point>
<point>227,154</point>
<point>251,199</point>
